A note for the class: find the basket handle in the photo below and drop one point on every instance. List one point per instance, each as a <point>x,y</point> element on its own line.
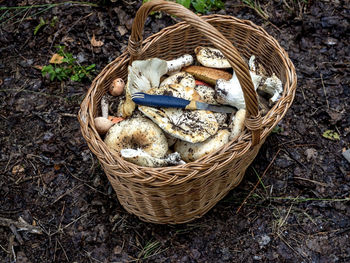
<point>253,118</point>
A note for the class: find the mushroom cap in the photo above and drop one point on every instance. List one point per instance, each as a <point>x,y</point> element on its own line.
<point>183,78</point>
<point>211,57</point>
<point>102,124</point>
<point>188,125</point>
<point>193,151</point>
<point>137,133</point>
<point>117,87</point>
<point>207,95</point>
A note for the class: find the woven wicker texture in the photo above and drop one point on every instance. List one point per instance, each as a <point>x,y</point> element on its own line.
<point>179,194</point>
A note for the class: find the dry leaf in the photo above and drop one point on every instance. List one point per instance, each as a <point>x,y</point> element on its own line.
<point>56,59</point>
<point>122,30</point>
<point>18,169</point>
<point>96,43</point>
<point>38,67</point>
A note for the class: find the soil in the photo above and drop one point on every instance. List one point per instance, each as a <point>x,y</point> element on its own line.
<point>299,211</point>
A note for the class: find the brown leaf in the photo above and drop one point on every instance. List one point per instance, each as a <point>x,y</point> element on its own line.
<point>96,43</point>
<point>38,67</point>
<point>122,30</point>
<point>56,59</point>
<point>17,169</point>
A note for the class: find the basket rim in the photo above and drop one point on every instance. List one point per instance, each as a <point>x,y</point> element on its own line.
<point>141,174</point>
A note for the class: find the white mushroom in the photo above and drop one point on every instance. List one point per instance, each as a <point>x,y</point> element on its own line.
<point>179,63</point>
<point>142,158</point>
<point>270,85</point>
<point>144,75</point>
<point>188,125</point>
<point>211,57</point>
<point>207,95</point>
<point>230,92</point>
<point>193,151</point>
<point>237,124</point>
<point>137,133</point>
<point>183,78</point>
<point>104,107</point>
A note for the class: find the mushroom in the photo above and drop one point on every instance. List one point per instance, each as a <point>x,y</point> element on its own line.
<point>179,63</point>
<point>137,133</point>
<point>188,125</point>
<point>143,158</point>
<point>183,78</point>
<point>207,95</point>
<point>208,75</point>
<point>271,85</point>
<point>103,124</point>
<point>144,75</point>
<point>117,87</point>
<point>193,151</point>
<point>230,91</point>
<point>237,124</point>
<point>211,57</point>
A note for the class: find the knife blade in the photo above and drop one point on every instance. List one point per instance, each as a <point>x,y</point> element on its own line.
<point>165,101</point>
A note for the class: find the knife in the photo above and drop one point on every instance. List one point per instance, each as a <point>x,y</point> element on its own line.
<point>165,101</point>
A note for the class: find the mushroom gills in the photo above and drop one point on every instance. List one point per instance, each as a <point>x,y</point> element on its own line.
<point>142,158</point>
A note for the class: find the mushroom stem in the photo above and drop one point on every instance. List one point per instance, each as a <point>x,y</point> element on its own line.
<point>230,92</point>
<point>238,124</point>
<point>104,107</point>
<point>178,63</point>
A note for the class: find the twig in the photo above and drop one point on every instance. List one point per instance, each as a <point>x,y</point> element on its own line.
<point>64,251</point>
<point>17,235</point>
<point>324,90</point>
<point>21,225</point>
<point>6,251</point>
<point>257,183</point>
<point>312,181</point>
<point>67,193</point>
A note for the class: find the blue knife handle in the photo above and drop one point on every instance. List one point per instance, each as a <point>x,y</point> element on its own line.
<point>162,101</point>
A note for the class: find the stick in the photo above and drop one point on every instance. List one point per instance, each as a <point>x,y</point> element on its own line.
<point>17,235</point>
<point>257,183</point>
<point>21,225</point>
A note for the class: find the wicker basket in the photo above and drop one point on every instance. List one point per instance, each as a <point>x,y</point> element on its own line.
<point>179,194</point>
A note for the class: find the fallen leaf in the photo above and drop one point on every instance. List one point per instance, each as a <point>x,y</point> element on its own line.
<point>17,169</point>
<point>332,135</point>
<point>38,67</point>
<point>122,30</point>
<point>96,43</point>
<point>1,81</point>
<point>56,59</point>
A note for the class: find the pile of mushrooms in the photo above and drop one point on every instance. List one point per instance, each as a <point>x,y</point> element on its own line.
<point>157,137</point>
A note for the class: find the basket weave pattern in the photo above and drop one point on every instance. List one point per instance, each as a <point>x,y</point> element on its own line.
<point>179,194</point>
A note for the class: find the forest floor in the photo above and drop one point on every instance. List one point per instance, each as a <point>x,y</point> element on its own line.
<point>299,212</point>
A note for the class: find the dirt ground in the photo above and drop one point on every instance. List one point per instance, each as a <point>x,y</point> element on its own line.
<point>49,178</point>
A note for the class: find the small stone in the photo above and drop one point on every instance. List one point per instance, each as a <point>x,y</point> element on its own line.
<point>117,250</point>
<point>264,240</point>
<point>346,155</point>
